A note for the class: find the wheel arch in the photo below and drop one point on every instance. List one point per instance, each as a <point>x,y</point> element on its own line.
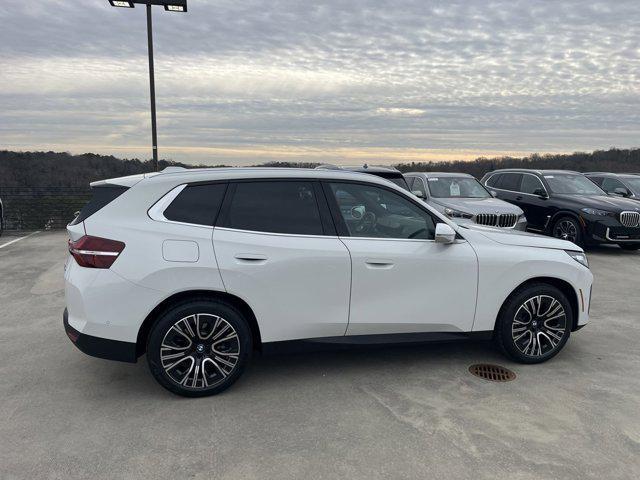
<point>565,213</point>
<point>237,302</point>
<point>562,285</point>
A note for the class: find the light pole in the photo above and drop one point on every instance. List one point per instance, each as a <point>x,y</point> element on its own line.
<point>170,6</point>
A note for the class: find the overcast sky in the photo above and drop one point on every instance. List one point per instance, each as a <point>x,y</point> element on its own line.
<point>346,81</point>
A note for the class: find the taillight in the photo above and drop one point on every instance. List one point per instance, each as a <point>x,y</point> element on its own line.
<point>95,252</point>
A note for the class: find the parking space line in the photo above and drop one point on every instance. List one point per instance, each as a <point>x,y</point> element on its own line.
<point>18,239</point>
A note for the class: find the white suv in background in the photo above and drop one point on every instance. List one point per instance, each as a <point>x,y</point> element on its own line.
<point>198,268</point>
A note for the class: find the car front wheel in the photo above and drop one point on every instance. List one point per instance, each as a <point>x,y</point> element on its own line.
<point>568,228</point>
<point>534,323</point>
<point>199,347</point>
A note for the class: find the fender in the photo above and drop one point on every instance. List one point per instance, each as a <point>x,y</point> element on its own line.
<point>564,213</point>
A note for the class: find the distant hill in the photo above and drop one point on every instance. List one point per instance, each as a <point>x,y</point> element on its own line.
<point>612,160</point>
<point>51,169</point>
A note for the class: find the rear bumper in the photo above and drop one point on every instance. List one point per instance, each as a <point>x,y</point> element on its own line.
<point>100,347</point>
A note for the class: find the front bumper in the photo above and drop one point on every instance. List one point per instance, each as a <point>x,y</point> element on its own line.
<point>100,347</point>
<point>520,225</point>
<point>612,232</point>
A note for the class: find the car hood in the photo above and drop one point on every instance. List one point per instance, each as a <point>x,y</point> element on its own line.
<point>478,205</point>
<point>612,204</point>
<point>523,239</point>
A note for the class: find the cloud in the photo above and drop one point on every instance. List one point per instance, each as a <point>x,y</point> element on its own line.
<point>289,77</point>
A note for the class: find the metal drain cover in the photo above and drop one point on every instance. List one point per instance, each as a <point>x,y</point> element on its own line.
<point>493,373</point>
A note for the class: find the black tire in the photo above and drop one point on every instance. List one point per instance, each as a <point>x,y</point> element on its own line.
<point>511,323</point>
<point>568,228</point>
<point>209,371</point>
<point>629,246</point>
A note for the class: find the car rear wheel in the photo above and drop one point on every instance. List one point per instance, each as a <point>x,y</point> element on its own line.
<point>568,228</point>
<point>630,246</point>
<point>534,323</point>
<point>199,348</point>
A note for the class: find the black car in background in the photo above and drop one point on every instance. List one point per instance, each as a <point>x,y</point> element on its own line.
<point>568,205</point>
<point>621,184</point>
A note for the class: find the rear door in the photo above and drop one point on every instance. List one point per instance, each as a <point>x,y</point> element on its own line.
<point>277,249</point>
<point>535,206</point>
<point>402,281</point>
<point>505,186</point>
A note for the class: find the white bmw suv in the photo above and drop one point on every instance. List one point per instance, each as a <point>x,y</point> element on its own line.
<point>199,268</point>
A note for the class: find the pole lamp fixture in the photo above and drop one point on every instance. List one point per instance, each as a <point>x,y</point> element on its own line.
<point>169,6</point>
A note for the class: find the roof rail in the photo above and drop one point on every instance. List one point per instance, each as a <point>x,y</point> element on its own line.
<point>328,166</point>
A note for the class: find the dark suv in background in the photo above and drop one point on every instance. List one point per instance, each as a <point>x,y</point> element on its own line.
<point>568,205</point>
<point>622,184</point>
<point>392,174</point>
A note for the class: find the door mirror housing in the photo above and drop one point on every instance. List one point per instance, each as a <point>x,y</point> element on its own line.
<point>418,193</point>
<point>444,233</point>
<point>540,192</point>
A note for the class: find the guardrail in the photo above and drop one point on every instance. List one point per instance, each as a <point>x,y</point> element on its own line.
<point>41,208</point>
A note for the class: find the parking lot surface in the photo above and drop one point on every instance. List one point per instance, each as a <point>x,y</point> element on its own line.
<point>386,413</point>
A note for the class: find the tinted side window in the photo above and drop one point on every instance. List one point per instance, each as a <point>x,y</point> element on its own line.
<point>530,184</point>
<point>494,180</point>
<point>410,181</point>
<point>418,185</point>
<point>510,181</point>
<point>197,204</point>
<point>278,207</point>
<point>596,180</point>
<point>609,185</point>
<point>370,211</point>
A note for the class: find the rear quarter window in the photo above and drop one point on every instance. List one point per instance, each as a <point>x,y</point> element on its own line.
<point>197,204</point>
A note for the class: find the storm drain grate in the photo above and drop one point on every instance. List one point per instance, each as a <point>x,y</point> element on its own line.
<point>493,373</point>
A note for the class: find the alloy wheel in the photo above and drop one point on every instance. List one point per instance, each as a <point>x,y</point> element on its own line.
<point>200,351</point>
<point>539,325</point>
<point>566,230</point>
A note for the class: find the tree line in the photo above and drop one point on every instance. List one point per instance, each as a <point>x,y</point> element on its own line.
<point>56,169</point>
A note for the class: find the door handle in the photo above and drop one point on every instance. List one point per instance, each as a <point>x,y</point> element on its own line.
<point>378,263</point>
<point>255,258</point>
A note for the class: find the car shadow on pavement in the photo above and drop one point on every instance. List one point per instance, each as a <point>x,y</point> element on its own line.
<point>612,250</point>
<point>300,369</point>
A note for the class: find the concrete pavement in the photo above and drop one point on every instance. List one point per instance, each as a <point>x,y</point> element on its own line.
<point>388,413</point>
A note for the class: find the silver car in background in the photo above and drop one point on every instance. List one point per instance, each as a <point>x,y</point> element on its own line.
<point>465,200</point>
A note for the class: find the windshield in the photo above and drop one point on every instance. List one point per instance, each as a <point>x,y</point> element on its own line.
<point>456,187</point>
<point>572,184</point>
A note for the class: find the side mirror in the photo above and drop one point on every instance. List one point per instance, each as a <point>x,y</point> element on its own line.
<point>623,192</point>
<point>417,193</point>
<point>444,233</point>
<point>540,192</point>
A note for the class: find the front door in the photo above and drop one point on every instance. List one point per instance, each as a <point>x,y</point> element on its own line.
<point>276,251</point>
<point>402,281</point>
